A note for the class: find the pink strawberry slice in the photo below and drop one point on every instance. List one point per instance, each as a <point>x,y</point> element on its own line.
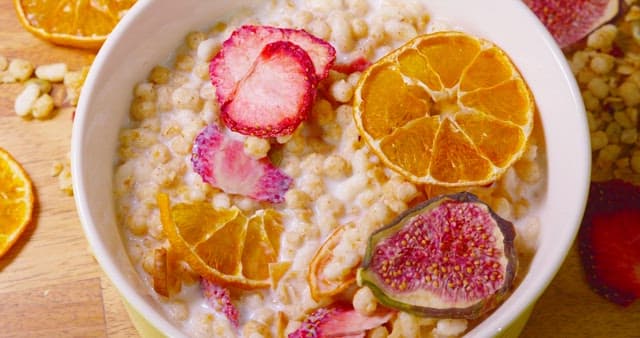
<point>609,241</point>
<point>219,299</point>
<point>339,321</point>
<point>239,52</point>
<point>222,162</point>
<point>275,96</point>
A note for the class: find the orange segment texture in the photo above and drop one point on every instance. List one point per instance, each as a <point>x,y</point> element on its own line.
<point>75,23</point>
<point>386,113</point>
<point>16,201</point>
<point>456,158</point>
<point>477,76</point>
<point>494,138</point>
<point>508,101</point>
<point>449,55</point>
<point>223,244</point>
<point>445,109</point>
<point>259,253</point>
<point>419,135</point>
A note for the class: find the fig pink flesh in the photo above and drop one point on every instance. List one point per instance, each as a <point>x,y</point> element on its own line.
<point>451,251</point>
<point>570,20</point>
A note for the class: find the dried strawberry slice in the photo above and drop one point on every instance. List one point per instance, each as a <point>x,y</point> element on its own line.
<point>609,241</point>
<point>339,321</point>
<point>222,162</point>
<point>219,299</point>
<point>357,65</point>
<point>276,95</point>
<point>245,44</point>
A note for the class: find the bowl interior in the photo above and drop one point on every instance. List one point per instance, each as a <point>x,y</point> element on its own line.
<point>151,32</point>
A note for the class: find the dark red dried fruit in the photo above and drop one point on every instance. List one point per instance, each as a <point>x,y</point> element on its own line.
<point>569,21</point>
<point>609,241</point>
<point>449,257</point>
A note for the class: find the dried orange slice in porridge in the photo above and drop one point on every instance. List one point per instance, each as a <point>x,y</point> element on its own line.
<point>223,245</point>
<point>321,283</point>
<point>74,23</point>
<point>445,108</point>
<point>16,201</point>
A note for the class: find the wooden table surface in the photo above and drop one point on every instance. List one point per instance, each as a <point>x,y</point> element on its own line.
<point>51,286</point>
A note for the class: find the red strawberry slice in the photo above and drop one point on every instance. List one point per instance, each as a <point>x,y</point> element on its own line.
<point>339,321</point>
<point>219,299</point>
<point>609,241</point>
<point>245,44</point>
<point>275,96</point>
<point>357,65</point>
<point>222,162</point>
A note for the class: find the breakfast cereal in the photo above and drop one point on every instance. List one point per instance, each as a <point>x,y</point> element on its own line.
<point>335,179</point>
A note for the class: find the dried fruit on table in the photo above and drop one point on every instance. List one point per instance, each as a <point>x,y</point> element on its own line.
<point>275,96</point>
<point>609,241</point>
<point>219,299</point>
<point>450,257</point>
<point>16,201</point>
<point>339,321</point>
<point>222,162</point>
<point>569,21</point>
<point>223,245</point>
<point>235,64</point>
<point>321,285</point>
<point>75,23</point>
<point>446,108</point>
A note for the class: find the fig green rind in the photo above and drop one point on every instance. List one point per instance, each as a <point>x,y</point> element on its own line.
<point>366,277</point>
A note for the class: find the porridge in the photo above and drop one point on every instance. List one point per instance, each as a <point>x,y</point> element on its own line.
<point>310,192</point>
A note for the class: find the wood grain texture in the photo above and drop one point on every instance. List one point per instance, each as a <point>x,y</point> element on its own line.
<point>50,285</point>
<point>50,312</point>
<point>50,273</point>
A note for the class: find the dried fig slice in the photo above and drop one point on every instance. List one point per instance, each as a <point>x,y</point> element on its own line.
<point>449,257</point>
<point>571,21</point>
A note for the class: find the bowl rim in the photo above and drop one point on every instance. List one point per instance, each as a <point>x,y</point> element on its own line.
<point>151,314</point>
<point>106,262</point>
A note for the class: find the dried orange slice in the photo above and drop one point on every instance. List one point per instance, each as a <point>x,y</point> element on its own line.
<point>16,201</point>
<point>223,245</point>
<point>320,284</point>
<point>445,108</point>
<point>75,23</point>
<point>165,273</point>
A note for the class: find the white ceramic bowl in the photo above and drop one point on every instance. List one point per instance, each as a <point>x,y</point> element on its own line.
<point>151,32</point>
